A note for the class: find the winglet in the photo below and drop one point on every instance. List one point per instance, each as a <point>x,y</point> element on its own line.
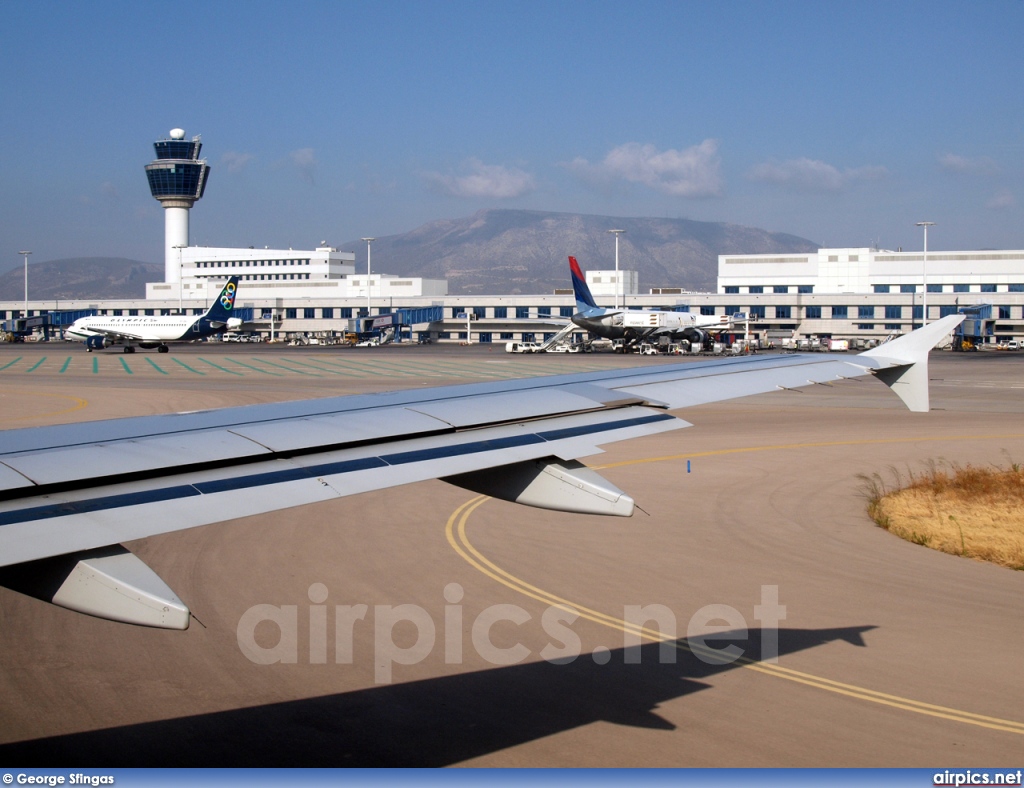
<point>903,362</point>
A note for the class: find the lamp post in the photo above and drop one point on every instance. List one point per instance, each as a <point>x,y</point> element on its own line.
<point>179,247</point>
<point>924,276</point>
<point>26,253</point>
<point>368,242</point>
<point>618,282</point>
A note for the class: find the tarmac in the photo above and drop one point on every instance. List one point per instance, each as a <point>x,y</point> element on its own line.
<point>499,635</point>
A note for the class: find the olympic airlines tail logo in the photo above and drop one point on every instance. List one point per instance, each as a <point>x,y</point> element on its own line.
<point>227,296</point>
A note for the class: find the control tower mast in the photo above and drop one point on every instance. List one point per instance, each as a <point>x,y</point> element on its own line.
<point>177,179</point>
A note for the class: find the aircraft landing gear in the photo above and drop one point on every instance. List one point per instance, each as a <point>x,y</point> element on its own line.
<point>162,349</point>
<point>129,349</point>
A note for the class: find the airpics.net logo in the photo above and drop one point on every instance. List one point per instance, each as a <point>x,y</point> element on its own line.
<point>278,641</point>
<point>974,777</point>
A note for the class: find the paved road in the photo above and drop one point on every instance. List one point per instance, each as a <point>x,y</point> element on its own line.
<point>889,654</point>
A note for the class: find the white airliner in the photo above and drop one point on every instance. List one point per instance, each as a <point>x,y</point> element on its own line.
<point>637,325</point>
<point>70,494</point>
<point>148,332</point>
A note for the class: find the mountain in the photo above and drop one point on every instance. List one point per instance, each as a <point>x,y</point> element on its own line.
<point>80,278</point>
<point>514,251</point>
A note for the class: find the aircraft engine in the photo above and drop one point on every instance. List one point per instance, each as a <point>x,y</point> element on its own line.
<point>96,342</point>
<point>234,323</point>
<point>696,336</point>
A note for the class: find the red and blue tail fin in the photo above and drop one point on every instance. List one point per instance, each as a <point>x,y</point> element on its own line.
<point>584,298</point>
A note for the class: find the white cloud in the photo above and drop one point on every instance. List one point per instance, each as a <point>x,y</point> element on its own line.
<point>236,162</point>
<point>811,175</point>
<point>693,172</point>
<point>963,165</point>
<point>1002,199</point>
<point>493,181</point>
<point>305,162</point>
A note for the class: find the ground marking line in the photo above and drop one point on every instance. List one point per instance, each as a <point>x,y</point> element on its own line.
<point>455,531</point>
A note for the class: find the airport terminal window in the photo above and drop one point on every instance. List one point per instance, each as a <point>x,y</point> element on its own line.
<point>505,335</point>
<point>707,310</point>
<point>566,311</point>
<point>893,326</point>
<point>805,288</point>
<point>683,308</point>
<point>1004,313</point>
<point>961,288</point>
<point>811,313</point>
<point>480,312</point>
<point>945,310</point>
<point>866,326</point>
<point>149,312</point>
<point>1016,288</point>
<point>501,311</point>
<point>881,288</point>
<point>893,312</point>
<point>346,312</point>
<point>291,313</point>
<point>839,312</point>
<point>917,312</point>
<point>934,288</point>
<point>528,336</point>
<point>732,290</point>
<point>133,312</point>
<point>117,313</point>
<point>908,288</point>
<point>543,311</point>
<point>522,311</point>
<point>865,311</point>
<point>988,288</point>
<point>755,289</point>
<point>780,289</point>
<point>783,312</point>
<point>485,336</point>
<point>756,312</point>
<point>327,312</point>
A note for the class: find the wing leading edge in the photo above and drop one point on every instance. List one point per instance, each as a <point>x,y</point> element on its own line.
<point>77,489</point>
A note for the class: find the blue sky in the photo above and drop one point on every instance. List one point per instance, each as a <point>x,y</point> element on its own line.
<point>842,123</point>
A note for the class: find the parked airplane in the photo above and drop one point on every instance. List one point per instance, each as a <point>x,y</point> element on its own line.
<point>70,494</point>
<point>148,332</point>
<point>635,325</point>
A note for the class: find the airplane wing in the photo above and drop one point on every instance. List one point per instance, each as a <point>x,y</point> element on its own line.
<point>79,490</point>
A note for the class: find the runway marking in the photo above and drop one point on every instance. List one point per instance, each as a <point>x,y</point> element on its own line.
<point>288,369</point>
<point>186,366</point>
<point>455,531</point>
<point>125,365</point>
<point>67,363</point>
<point>95,365</point>
<point>154,365</point>
<point>314,366</point>
<point>38,364</point>
<point>256,369</point>
<point>10,363</point>
<point>79,404</point>
<point>222,369</point>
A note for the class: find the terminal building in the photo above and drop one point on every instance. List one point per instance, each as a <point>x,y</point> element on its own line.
<point>862,294</point>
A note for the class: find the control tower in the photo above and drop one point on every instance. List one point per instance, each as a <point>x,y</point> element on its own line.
<point>177,179</point>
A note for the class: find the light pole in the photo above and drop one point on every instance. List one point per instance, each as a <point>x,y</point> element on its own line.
<point>368,242</point>
<point>179,247</point>
<point>618,281</point>
<point>26,253</point>
<point>924,277</point>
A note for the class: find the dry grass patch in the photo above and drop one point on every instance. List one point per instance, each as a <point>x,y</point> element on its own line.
<point>968,511</point>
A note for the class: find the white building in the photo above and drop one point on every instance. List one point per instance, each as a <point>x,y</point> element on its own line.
<point>606,283</point>
<point>265,274</point>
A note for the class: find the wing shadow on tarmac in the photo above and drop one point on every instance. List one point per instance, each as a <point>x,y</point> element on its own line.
<point>433,722</point>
